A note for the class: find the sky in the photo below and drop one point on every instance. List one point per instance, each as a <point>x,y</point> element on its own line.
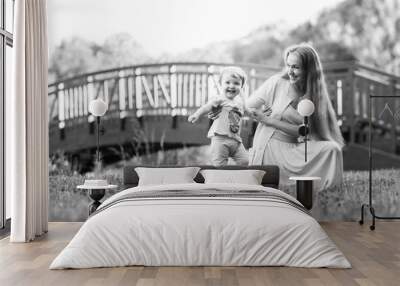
<point>173,26</point>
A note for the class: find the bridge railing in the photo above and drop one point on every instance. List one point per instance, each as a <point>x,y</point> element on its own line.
<point>155,89</point>
<point>179,88</point>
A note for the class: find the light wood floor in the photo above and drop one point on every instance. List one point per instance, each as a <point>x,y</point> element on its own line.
<point>374,255</point>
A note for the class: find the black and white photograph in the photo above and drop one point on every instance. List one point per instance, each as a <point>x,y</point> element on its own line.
<point>199,142</point>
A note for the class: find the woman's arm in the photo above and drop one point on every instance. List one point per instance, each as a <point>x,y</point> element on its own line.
<point>264,93</point>
<point>286,127</point>
<point>254,102</point>
<point>294,118</point>
<point>292,129</point>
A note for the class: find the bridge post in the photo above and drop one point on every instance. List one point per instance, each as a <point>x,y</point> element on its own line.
<point>173,91</point>
<point>90,88</point>
<point>392,91</point>
<point>122,87</point>
<point>90,94</point>
<point>61,110</point>
<point>371,91</point>
<point>138,87</point>
<point>122,91</point>
<point>155,92</point>
<point>357,111</point>
<point>350,116</point>
<point>339,101</point>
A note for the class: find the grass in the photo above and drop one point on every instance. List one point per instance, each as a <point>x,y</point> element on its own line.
<point>344,203</point>
<point>67,203</point>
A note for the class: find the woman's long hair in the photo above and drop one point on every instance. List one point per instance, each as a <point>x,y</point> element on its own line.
<point>323,122</point>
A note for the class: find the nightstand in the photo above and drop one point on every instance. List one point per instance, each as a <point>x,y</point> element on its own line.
<point>96,193</point>
<point>304,190</point>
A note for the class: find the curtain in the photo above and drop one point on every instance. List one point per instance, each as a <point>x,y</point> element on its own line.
<point>27,123</point>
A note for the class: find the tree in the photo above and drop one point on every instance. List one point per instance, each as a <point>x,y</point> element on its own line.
<point>266,51</point>
<point>366,30</point>
<point>370,29</point>
<point>77,56</point>
<point>72,57</point>
<point>120,50</point>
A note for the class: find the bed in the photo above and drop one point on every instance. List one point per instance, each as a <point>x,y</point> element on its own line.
<point>201,224</point>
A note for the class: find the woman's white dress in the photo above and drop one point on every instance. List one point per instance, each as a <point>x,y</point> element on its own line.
<point>272,146</point>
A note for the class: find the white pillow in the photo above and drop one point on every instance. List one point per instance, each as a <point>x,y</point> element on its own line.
<point>164,176</point>
<point>249,177</point>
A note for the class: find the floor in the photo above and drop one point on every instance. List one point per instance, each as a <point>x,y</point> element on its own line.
<point>374,255</point>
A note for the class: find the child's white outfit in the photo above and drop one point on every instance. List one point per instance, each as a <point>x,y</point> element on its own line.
<point>225,135</point>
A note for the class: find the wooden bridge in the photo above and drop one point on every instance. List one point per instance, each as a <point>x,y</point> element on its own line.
<point>149,104</point>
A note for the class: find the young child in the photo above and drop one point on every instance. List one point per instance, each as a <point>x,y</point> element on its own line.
<point>225,131</point>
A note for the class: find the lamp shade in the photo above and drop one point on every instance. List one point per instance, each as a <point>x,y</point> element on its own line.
<point>97,107</point>
<point>305,107</point>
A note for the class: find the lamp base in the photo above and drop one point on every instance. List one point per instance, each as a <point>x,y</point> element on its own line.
<point>96,195</point>
<point>304,193</point>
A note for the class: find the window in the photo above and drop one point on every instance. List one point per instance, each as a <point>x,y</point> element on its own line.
<point>6,42</point>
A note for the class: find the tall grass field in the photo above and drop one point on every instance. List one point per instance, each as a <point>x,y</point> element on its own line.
<point>67,203</point>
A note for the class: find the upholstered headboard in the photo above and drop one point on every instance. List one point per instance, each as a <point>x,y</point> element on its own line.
<point>270,179</point>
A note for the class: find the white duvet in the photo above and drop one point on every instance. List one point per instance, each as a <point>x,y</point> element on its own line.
<point>200,231</point>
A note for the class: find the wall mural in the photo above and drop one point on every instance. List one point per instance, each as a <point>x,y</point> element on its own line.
<point>152,112</point>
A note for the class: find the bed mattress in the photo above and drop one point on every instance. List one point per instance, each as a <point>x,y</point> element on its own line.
<point>201,225</point>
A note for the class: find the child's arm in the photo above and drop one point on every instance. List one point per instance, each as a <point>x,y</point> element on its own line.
<point>206,108</point>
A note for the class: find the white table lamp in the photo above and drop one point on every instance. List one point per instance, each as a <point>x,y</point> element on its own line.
<point>305,108</point>
<point>98,108</point>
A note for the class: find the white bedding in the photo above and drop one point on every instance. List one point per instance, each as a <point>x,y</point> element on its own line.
<point>200,231</point>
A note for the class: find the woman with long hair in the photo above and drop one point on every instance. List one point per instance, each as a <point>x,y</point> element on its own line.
<point>274,106</point>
